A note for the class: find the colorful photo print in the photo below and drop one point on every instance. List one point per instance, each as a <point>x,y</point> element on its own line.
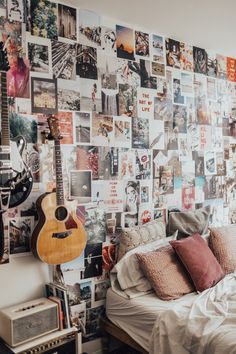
<point>102,129</point>
<point>41,25</point>
<point>44,95</point>
<point>110,102</point>
<point>20,231</point>
<point>140,133</point>
<point>40,57</point>
<point>24,125</point>
<point>68,95</point>
<point>65,125</point>
<point>200,60</point>
<point>125,42</point>
<point>89,28</point>
<point>141,44</point>
<point>18,74</point>
<point>131,196</point>
<point>80,186</point>
<point>82,127</point>
<point>64,60</point>
<point>127,100</point>
<point>157,48</point>
<point>186,57</point>
<point>67,22</point>
<point>78,316</point>
<point>173,53</point>
<point>86,66</point>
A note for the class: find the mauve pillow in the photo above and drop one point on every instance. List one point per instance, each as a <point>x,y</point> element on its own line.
<point>200,262</point>
<point>223,244</point>
<point>165,273</point>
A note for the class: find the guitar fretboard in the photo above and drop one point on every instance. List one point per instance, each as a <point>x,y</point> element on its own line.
<point>59,177</point>
<point>5,133</point>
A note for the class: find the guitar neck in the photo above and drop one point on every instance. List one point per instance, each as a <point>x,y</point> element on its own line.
<point>5,130</point>
<point>59,177</point>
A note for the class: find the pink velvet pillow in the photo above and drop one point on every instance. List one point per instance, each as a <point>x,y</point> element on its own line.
<point>199,261</point>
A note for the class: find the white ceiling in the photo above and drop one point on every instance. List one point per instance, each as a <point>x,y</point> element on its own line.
<point>209,24</point>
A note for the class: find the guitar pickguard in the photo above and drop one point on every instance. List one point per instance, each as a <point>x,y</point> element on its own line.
<point>70,223</point>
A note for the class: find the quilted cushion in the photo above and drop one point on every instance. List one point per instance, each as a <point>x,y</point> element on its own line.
<point>223,245</point>
<point>199,261</point>
<point>140,235</point>
<point>165,273</point>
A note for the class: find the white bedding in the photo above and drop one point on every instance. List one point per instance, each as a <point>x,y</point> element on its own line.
<point>205,326</point>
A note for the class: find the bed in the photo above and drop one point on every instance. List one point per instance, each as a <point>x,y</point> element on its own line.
<point>197,323</point>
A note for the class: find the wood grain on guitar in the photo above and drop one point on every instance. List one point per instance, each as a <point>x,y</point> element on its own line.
<point>59,236</point>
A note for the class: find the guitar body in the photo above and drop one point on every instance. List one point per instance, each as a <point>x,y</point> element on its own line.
<point>59,236</point>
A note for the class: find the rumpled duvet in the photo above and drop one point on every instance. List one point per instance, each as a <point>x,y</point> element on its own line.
<point>205,324</point>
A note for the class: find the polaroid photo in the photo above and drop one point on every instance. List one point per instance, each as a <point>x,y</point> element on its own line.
<point>39,52</point>
<point>89,28</point>
<point>82,128</point>
<point>81,186</point>
<point>125,42</point>
<point>188,197</point>
<point>20,231</point>
<point>44,95</point>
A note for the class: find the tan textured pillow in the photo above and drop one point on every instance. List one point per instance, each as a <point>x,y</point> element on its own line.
<point>140,235</point>
<point>223,245</point>
<point>166,274</point>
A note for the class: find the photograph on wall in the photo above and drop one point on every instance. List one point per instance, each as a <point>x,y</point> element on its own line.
<point>220,164</point>
<point>160,215</point>
<point>205,137</point>
<point>78,316</point>
<point>86,62</point>
<point>113,196</point>
<point>141,44</point>
<point>67,22</point>
<point>198,157</point>
<point>178,97</point>
<point>211,89</point>
<point>44,95</point>
<point>221,66</point>
<point>93,318</point>
<point>2,4</point>
<point>86,293</point>
<point>140,133</point>
<point>129,220</point>
<point>82,127</point>
<point>11,31</point>
<point>143,164</point>
<point>145,214</point>
<point>128,72</point>
<point>64,60</point>
<point>40,56</point>
<point>210,162</point>
<point>108,163</point>
<point>126,164</point>
<point>214,187</point>
<point>188,197</point>
<point>20,231</point>
<point>156,134</point>
<point>131,196</point>
<point>231,69</point>
<point>25,125</point>
<point>211,63</point>
<point>15,10</point>
<point>109,259</point>
<point>89,28</point>
<point>108,69</point>
<point>166,180</point>
<point>93,267</point>
<point>200,91</point>
<point>102,129</point>
<point>80,186</point>
<point>108,38</point>
<point>100,291</point>
<point>66,128</point>
<point>68,94</point>
<point>186,57</point>
<point>113,226</point>
<point>146,80</point>
<point>158,69</point>
<point>145,192</point>
<point>186,84</point>
<point>125,42</point>
<point>145,103</point>
<point>122,131</point>
<point>172,53</point>
<point>41,25</point>
<point>163,107</point>
<point>94,224</point>
<point>90,91</point>
<point>179,119</point>
<point>71,280</point>
<point>110,104</point>
<point>127,100</point>
<point>18,75</point>
<point>157,48</point>
<point>87,159</point>
<point>200,60</point>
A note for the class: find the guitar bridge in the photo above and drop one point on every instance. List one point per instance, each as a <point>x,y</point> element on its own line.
<point>61,235</point>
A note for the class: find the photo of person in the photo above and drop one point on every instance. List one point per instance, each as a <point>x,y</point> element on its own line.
<point>108,40</point>
<point>173,53</point>
<point>221,66</point>
<point>67,22</point>
<point>177,96</point>
<point>125,42</point>
<point>141,44</point>
<point>91,95</point>
<point>131,189</point>
<point>199,60</point>
<point>18,74</point>
<point>158,69</point>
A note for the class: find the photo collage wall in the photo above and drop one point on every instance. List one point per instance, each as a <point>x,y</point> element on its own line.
<point>148,125</point>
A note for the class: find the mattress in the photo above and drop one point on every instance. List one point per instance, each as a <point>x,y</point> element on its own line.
<point>137,316</point>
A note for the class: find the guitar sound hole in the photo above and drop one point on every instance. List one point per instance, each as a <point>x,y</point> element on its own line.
<point>61,213</point>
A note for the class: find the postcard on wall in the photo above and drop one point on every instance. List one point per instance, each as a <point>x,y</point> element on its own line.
<point>86,62</point>
<point>186,57</point>
<point>221,66</point>
<point>199,60</point>
<point>187,84</point>
<point>145,213</point>
<point>157,48</point>
<point>125,42</point>
<point>140,133</point>
<point>68,95</point>
<point>127,100</point>
<point>130,195</point>
<point>67,22</point>
<point>39,53</point>
<point>122,131</point>
<point>20,231</point>
<point>145,103</point>
<point>64,60</point>
<point>210,162</point>
<point>126,165</point>
<point>81,186</point>
<point>82,128</point>
<point>108,36</point>
<point>44,95</point>
<point>156,134</point>
<point>102,129</point>
<point>49,29</point>
<point>211,64</point>
<point>173,53</point>
<point>15,10</point>
<point>90,91</point>
<point>89,28</point>
<point>65,124</point>
<point>142,44</point>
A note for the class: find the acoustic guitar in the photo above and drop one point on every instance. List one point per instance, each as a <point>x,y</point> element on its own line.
<point>59,236</point>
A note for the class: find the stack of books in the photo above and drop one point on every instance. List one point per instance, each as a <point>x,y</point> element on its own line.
<point>58,293</point>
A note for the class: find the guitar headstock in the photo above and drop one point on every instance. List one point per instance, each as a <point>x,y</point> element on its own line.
<point>54,127</point>
<point>4,65</point>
